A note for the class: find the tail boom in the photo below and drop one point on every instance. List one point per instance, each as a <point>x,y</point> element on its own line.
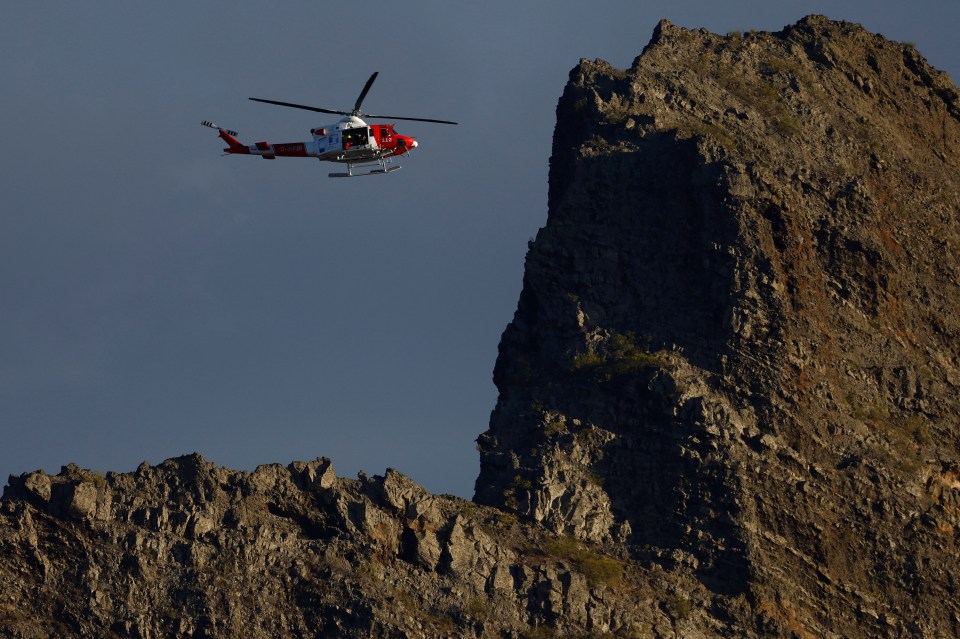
<point>264,149</point>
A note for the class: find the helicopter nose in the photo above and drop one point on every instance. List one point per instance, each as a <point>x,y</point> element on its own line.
<point>413,144</point>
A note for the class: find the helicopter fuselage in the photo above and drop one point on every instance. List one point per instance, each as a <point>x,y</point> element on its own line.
<point>351,140</point>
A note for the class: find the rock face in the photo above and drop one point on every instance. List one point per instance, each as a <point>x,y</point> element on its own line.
<point>188,549</point>
<point>729,398</point>
<point>736,350</point>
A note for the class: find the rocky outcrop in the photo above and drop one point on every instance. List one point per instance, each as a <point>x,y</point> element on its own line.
<point>729,398</point>
<point>736,346</point>
<point>188,549</point>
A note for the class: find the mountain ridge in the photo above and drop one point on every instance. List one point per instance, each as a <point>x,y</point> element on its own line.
<point>728,399</point>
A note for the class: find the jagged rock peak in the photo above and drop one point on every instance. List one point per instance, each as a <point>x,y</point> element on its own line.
<point>735,348</point>
<point>190,549</point>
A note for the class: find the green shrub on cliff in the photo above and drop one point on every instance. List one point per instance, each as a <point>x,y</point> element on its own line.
<point>596,567</point>
<point>621,354</point>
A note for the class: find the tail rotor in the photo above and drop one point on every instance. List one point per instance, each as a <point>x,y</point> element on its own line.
<point>210,124</point>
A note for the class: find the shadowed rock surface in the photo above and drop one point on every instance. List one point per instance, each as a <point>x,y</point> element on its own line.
<point>729,398</point>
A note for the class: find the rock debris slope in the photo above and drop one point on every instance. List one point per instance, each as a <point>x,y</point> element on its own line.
<point>729,397</point>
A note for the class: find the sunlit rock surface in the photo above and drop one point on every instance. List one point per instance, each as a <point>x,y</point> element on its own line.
<point>729,398</point>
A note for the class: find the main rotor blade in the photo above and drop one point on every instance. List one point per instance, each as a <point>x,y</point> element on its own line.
<point>301,106</point>
<point>363,94</point>
<point>355,113</point>
<point>397,117</point>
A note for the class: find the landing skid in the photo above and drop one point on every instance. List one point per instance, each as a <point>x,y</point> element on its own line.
<point>382,163</point>
<point>373,172</point>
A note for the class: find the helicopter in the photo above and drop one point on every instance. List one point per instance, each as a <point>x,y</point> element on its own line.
<point>350,141</point>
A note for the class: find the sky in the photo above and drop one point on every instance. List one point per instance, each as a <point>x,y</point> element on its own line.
<point>158,299</point>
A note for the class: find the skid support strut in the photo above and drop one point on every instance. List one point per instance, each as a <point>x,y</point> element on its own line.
<point>379,162</point>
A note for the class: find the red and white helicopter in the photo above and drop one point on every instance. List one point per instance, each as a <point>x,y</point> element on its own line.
<point>350,141</point>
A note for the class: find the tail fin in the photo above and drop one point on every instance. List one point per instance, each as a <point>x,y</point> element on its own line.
<point>227,135</point>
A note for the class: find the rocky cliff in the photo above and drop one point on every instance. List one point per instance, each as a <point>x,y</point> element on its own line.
<point>729,398</point>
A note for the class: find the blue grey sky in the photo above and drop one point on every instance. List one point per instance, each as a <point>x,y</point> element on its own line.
<point>158,299</point>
